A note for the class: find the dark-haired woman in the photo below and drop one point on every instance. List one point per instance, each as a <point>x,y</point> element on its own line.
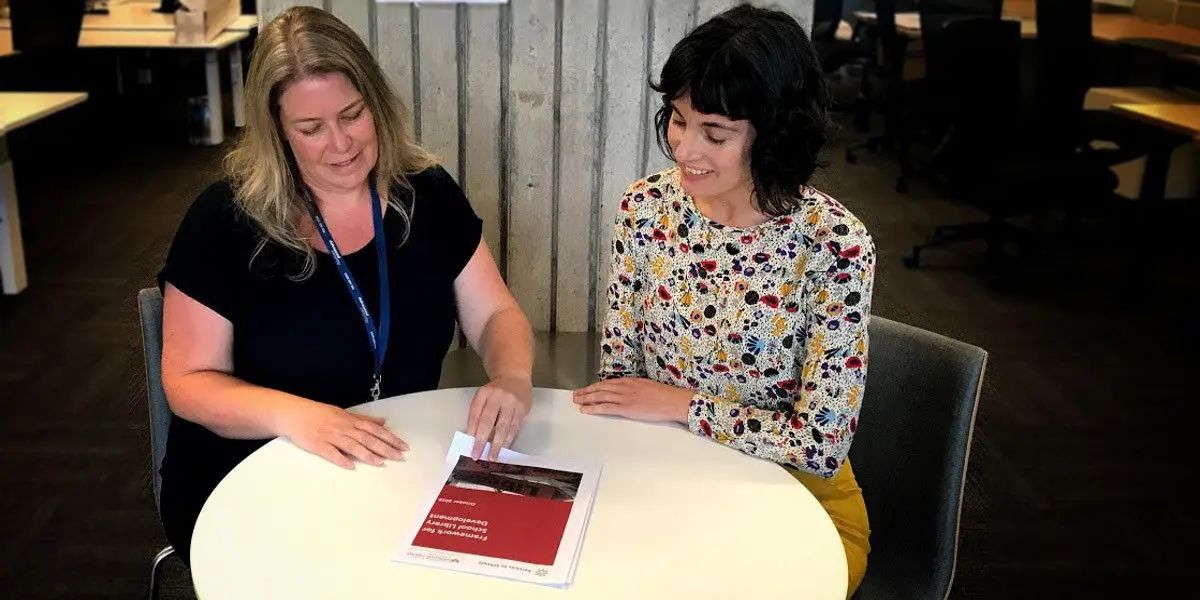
<point>739,295</point>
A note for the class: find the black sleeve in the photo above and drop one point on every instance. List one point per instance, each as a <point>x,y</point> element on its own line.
<point>442,209</point>
<point>208,259</point>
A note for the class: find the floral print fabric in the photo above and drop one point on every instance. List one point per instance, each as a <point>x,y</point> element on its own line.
<point>767,323</point>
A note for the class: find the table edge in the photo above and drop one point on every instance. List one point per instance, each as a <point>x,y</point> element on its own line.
<point>1129,109</point>
<point>68,100</point>
<point>222,41</point>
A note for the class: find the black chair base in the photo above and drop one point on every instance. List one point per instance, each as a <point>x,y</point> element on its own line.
<point>874,145</point>
<point>998,233</point>
<point>995,231</point>
<point>1060,250</point>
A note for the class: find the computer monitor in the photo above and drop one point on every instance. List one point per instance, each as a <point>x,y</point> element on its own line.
<point>39,25</point>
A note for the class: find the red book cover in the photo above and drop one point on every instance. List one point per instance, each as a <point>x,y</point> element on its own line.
<point>501,510</point>
<point>520,517</point>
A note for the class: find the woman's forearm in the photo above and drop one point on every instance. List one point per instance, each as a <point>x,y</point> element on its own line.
<point>229,406</point>
<point>507,345</point>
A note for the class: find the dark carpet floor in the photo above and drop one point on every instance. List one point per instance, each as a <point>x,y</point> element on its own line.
<point>1079,482</point>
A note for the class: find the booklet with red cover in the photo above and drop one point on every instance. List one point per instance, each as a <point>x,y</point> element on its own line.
<point>520,517</point>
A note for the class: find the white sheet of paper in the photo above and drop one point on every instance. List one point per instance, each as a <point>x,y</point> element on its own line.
<point>462,444</point>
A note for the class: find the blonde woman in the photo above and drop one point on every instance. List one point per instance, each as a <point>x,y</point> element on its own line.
<point>327,269</point>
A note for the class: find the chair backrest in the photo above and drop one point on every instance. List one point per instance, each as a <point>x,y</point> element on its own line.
<point>891,45</point>
<point>910,456</point>
<point>982,8</point>
<point>1066,60</point>
<point>827,14</point>
<point>973,73</point>
<point>150,310</point>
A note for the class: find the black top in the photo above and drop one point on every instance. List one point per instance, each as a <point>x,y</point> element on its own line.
<point>307,337</point>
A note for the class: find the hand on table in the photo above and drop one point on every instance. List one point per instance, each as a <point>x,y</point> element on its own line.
<point>635,398</point>
<point>336,434</point>
<point>496,413</point>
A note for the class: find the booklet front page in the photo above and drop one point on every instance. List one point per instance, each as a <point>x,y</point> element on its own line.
<point>521,517</point>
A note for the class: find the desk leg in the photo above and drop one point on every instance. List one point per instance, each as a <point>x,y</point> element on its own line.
<point>216,118</point>
<point>12,252</point>
<point>1154,175</point>
<point>235,81</point>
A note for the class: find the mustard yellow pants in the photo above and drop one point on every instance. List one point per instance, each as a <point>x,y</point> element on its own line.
<point>842,499</point>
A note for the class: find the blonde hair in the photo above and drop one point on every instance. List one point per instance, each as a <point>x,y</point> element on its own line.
<point>302,42</point>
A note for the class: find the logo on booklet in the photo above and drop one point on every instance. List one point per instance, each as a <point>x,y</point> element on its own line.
<point>541,572</point>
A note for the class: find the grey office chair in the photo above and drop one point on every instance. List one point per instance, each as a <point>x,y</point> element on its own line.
<point>909,452</point>
<point>150,309</point>
<point>910,457</point>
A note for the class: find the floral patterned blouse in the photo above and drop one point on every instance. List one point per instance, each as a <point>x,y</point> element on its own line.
<point>767,323</point>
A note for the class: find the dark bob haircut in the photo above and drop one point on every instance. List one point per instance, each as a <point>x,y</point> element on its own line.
<point>755,64</point>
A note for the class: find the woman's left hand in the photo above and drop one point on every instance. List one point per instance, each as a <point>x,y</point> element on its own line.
<point>635,398</point>
<point>497,412</point>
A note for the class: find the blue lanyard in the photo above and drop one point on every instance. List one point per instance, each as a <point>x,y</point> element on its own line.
<point>378,338</point>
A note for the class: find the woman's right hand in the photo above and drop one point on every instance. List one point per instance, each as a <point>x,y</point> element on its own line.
<point>336,434</point>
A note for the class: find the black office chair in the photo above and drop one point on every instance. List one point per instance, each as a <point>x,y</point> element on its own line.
<point>927,111</point>
<point>46,26</point>
<point>833,52</point>
<point>1067,70</point>
<point>997,159</point>
<point>976,8</point>
<point>885,65</point>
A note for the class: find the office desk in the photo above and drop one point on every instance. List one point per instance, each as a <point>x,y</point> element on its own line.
<point>1112,28</point>
<point>908,24</point>
<point>1179,118</point>
<point>1120,28</point>
<point>140,16</point>
<point>151,39</point>
<point>18,109</point>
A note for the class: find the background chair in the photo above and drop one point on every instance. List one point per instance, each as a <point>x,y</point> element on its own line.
<point>1068,68</point>
<point>1000,160</point>
<point>910,457</point>
<point>150,311</point>
<point>885,68</point>
<point>933,98</point>
<point>833,52</point>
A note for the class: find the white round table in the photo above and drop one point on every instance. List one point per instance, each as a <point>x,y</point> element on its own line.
<point>675,516</point>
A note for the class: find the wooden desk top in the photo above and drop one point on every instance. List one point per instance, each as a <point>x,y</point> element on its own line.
<point>90,38</point>
<point>1180,118</point>
<point>1114,28</point>
<point>1107,27</point>
<point>140,16</point>
<point>18,109</point>
<point>152,39</point>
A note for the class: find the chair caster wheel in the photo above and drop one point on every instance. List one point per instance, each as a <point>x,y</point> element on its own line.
<point>901,186</point>
<point>851,158</point>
